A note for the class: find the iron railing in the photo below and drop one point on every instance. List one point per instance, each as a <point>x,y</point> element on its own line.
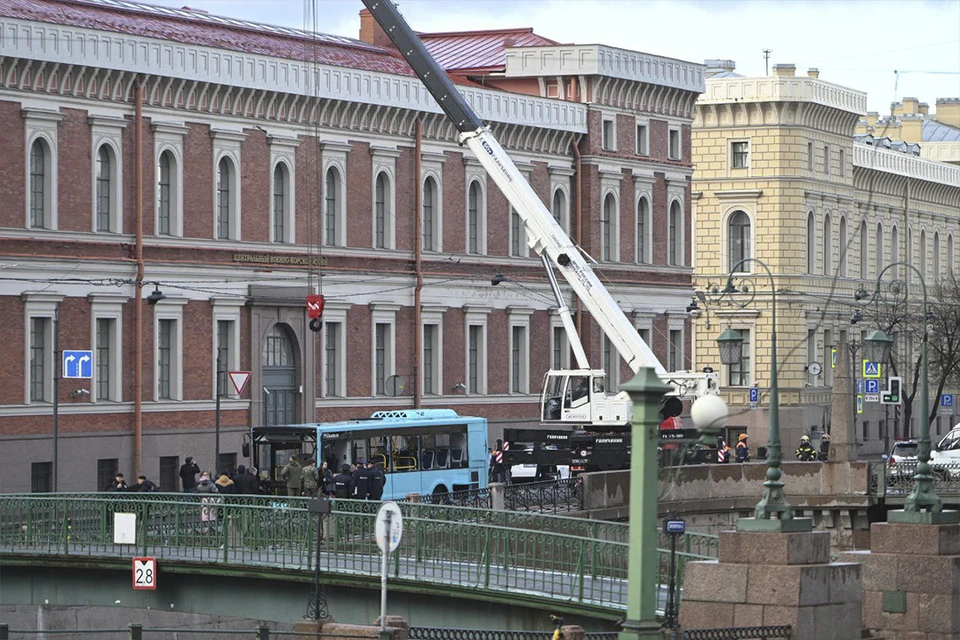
<point>547,556</point>
<point>782,632</point>
<point>553,496</point>
<point>898,479</point>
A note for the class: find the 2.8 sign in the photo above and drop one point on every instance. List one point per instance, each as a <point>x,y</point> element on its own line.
<point>144,573</point>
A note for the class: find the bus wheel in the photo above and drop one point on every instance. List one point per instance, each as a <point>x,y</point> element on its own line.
<point>441,495</point>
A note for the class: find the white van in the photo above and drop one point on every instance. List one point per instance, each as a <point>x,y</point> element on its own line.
<point>947,452</point>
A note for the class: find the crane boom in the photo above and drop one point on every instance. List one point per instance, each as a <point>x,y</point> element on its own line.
<point>545,235</point>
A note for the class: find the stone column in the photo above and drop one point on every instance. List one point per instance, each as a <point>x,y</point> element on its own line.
<point>911,581</point>
<point>843,437</point>
<point>770,579</point>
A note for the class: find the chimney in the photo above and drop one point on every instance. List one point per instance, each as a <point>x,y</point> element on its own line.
<point>911,105</point>
<point>715,67</point>
<point>370,31</point>
<point>813,72</point>
<point>924,109</point>
<point>948,111</point>
<point>896,108</point>
<point>785,70</point>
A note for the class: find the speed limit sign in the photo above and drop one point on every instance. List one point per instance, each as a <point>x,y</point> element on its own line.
<point>144,573</point>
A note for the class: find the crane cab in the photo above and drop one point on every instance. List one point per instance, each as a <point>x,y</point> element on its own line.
<point>579,396</point>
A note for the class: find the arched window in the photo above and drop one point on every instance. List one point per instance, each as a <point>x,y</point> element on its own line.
<point>429,213</point>
<point>675,233</point>
<point>864,250</point>
<point>950,263</point>
<point>923,255</point>
<point>738,241</point>
<point>827,246</point>
<point>380,212</point>
<point>164,195</point>
<point>516,233</point>
<point>608,228</point>
<point>895,248</point>
<point>473,217</point>
<point>279,202</point>
<point>936,256</point>
<point>811,244</point>
<point>559,207</point>
<point>39,194</point>
<point>331,210</point>
<point>878,258</point>
<point>842,255</point>
<point>643,231</point>
<point>104,188</point>
<point>224,197</point>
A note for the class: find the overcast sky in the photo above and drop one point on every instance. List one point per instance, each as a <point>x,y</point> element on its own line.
<point>855,43</point>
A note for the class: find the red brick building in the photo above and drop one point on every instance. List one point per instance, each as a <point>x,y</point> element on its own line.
<point>176,183</point>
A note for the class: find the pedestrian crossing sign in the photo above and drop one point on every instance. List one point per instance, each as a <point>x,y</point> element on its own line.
<point>871,369</point>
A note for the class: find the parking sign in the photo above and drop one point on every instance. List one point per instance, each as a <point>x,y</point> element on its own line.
<point>754,397</point>
<point>946,404</point>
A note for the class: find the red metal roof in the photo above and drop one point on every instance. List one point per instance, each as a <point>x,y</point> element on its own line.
<point>204,29</point>
<point>461,51</point>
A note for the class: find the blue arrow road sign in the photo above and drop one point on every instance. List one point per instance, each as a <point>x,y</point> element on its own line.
<point>77,364</point>
<point>871,385</point>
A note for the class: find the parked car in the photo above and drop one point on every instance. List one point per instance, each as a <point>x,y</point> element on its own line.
<point>945,454</point>
<point>902,451</point>
<point>530,472</point>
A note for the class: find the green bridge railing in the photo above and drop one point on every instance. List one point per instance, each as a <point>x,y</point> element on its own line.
<point>543,556</point>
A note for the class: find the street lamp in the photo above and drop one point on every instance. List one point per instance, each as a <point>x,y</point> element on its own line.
<point>773,512</point>
<point>923,505</point>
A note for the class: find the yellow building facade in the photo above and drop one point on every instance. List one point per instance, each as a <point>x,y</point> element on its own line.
<point>779,178</point>
<point>910,121</point>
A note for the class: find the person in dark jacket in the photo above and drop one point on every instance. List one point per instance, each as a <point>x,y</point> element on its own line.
<point>342,483</point>
<point>144,485</point>
<point>326,479</point>
<point>377,480</point>
<point>824,453</point>
<point>188,475</point>
<point>243,482</point>
<point>117,484</point>
<point>361,481</point>
<point>806,452</point>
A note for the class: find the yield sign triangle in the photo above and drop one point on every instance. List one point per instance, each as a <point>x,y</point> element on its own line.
<point>239,380</point>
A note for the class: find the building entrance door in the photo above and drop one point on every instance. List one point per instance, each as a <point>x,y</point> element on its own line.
<point>279,378</point>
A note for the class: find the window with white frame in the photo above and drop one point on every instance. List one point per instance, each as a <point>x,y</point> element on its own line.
<point>168,349</point>
<point>383,321</point>
<point>476,219</point>
<point>864,250</point>
<point>384,161</point>
<point>283,154</point>
<point>674,146</point>
<point>282,204</point>
<point>106,332</point>
<point>675,355</point>
<point>643,139</point>
<point>827,245</point>
<point>430,214</point>
<point>168,180</point>
<point>936,256</point>
<point>332,208</point>
<point>518,240</point>
<point>519,346</point>
<point>559,348</point>
<point>559,208</point>
<point>811,244</point>
<point>878,258</point>
<point>675,233</point>
<point>643,241</point>
<point>923,255</point>
<point>475,322</point>
<point>41,167</point>
<point>842,251</point>
<point>738,373</point>
<point>431,356</point>
<point>740,154</point>
<point>39,313</point>
<point>608,228</point>
<point>107,134</point>
<point>226,345</point>
<point>609,134</point>
<point>739,241</point>
<point>333,364</point>
<point>826,159</point>
<point>226,187</point>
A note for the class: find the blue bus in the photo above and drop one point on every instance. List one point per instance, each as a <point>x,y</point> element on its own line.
<point>422,451</point>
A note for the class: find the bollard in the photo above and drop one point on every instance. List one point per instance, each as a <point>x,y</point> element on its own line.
<point>263,632</point>
<point>136,631</point>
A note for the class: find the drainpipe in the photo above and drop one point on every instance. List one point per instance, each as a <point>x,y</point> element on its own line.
<point>418,265</point>
<point>138,296</point>
<point>578,178</point>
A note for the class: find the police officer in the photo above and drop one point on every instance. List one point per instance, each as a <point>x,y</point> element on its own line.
<point>805,451</point>
<point>377,480</point>
<point>342,483</point>
<point>361,481</point>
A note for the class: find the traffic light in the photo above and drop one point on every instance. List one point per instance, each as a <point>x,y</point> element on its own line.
<point>893,392</point>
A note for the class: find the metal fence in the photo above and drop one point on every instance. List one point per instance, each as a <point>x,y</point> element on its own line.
<point>782,632</point>
<point>552,557</point>
<point>898,478</point>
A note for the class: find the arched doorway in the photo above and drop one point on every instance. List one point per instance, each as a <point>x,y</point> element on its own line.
<point>279,377</point>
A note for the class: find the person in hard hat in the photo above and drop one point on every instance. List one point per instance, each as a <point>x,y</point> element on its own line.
<point>805,451</point>
<point>743,450</point>
<point>824,451</point>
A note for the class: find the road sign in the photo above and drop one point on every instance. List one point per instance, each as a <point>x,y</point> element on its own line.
<point>859,404</point>
<point>871,369</point>
<point>396,526</point>
<point>871,397</point>
<point>754,397</point>
<point>77,364</point>
<point>124,528</point>
<point>833,358</point>
<point>674,526</point>
<point>894,387</point>
<point>871,386</point>
<point>859,385</point>
<point>239,380</point>
<point>144,573</point>
<point>946,404</point>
